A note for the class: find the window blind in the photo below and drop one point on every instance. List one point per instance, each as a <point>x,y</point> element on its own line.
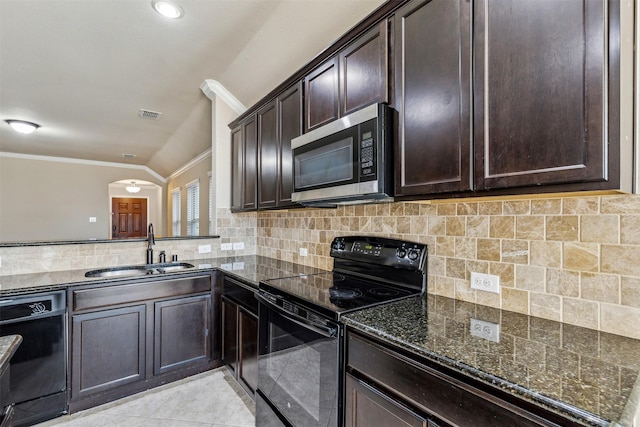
<point>175,212</point>
<point>193,208</point>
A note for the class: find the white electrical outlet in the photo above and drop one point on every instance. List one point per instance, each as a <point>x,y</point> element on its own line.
<point>92,219</point>
<point>204,249</point>
<point>485,282</point>
<point>304,252</point>
<point>226,246</point>
<point>487,330</point>
<point>238,266</point>
<point>238,246</point>
<point>227,267</point>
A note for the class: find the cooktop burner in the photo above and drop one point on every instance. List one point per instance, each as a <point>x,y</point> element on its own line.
<point>346,293</point>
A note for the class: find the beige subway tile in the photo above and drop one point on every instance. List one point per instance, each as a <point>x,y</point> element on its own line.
<point>599,228</point>
<point>478,226</point>
<point>476,267</point>
<point>411,209</point>
<point>502,227</point>
<point>447,209</point>
<point>563,282</point>
<point>546,206</point>
<point>437,225</point>
<point>456,268</point>
<point>619,259</point>
<point>516,207</point>
<point>629,229</point>
<point>515,251</point>
<point>445,286</point>
<point>530,227</point>
<point>515,300</point>
<point>505,271</point>
<point>490,208</point>
<point>626,204</point>
<point>436,265</point>
<point>545,306</point>
<point>456,226</point>
<point>600,287</point>
<point>564,228</point>
<point>396,209</point>
<point>445,246</point>
<point>428,210</point>
<point>488,249</point>
<point>463,291</point>
<point>419,225</point>
<point>467,208</point>
<point>580,205</point>
<point>630,291</point>
<point>580,312</point>
<point>620,320</point>
<point>580,256</point>
<point>465,247</point>
<point>530,278</point>
<point>403,225</point>
<point>488,299</point>
<point>546,254</point>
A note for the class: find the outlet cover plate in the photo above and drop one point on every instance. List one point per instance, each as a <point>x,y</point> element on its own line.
<point>304,252</point>
<point>237,246</point>
<point>226,246</point>
<point>485,282</point>
<point>204,249</point>
<point>486,330</point>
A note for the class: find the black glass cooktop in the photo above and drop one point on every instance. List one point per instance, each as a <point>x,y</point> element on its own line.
<point>334,294</point>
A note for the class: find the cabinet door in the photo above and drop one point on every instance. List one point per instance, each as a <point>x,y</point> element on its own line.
<point>539,92</point>
<point>181,336</point>
<point>290,111</point>
<point>365,407</point>
<point>321,91</point>
<point>230,334</point>
<point>108,350</point>
<point>268,155</point>
<point>250,166</point>
<point>237,167</point>
<point>364,69</point>
<point>248,357</point>
<point>432,86</point>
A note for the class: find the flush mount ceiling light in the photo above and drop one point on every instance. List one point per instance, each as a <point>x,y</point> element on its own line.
<point>167,8</point>
<point>22,126</point>
<point>133,188</point>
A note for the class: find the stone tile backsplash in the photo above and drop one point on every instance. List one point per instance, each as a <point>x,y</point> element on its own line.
<point>569,259</point>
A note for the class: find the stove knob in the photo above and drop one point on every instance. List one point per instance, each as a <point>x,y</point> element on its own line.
<point>414,254</point>
<point>401,253</point>
<point>338,245</point>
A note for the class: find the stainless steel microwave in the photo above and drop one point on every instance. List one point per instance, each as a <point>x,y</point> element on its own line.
<point>347,161</point>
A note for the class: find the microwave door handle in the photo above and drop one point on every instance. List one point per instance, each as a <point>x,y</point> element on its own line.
<point>325,331</point>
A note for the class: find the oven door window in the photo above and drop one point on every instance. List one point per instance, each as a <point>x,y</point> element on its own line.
<point>298,371</point>
<point>327,162</point>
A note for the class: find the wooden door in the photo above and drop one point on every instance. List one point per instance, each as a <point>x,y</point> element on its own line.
<point>268,149</point>
<point>229,333</point>
<point>250,165</point>
<point>237,165</point>
<point>248,350</point>
<point>129,217</point>
<point>432,79</point>
<point>321,94</point>
<point>290,112</point>
<point>539,92</point>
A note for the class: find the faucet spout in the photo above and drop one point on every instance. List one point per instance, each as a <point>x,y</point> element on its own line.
<point>151,240</point>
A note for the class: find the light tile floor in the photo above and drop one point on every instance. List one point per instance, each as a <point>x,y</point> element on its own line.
<point>210,399</point>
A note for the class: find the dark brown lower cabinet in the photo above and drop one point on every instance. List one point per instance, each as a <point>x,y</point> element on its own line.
<point>240,333</point>
<point>387,386</point>
<point>131,337</point>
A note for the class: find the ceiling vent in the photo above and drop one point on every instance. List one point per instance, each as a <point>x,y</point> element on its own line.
<point>147,114</point>
<point>128,156</point>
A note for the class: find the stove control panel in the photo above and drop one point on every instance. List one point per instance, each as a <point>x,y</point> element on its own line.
<point>382,251</point>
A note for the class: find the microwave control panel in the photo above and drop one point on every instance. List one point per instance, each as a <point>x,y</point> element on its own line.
<point>368,153</point>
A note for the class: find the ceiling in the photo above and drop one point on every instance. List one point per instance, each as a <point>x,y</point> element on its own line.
<point>82,69</point>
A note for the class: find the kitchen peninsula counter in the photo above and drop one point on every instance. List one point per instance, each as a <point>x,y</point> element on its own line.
<point>585,375</point>
<point>249,268</point>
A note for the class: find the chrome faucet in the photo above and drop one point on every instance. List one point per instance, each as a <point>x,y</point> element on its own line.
<point>150,242</point>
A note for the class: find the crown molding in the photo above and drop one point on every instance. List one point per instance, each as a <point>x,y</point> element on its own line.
<point>84,162</point>
<point>190,164</point>
<point>212,88</point>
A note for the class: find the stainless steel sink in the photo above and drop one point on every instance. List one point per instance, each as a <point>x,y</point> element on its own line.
<point>139,270</point>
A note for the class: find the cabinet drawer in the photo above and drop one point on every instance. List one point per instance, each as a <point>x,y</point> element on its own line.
<point>432,391</point>
<point>85,299</point>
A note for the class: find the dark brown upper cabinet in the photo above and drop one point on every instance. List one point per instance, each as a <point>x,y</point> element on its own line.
<point>355,77</point>
<point>244,165</point>
<point>364,69</point>
<point>539,92</point>
<point>432,81</point>
<point>279,122</point>
<point>544,113</point>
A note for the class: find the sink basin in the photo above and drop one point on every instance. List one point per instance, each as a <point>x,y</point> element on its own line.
<point>139,270</point>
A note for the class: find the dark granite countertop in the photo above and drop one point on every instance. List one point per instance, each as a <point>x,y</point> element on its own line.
<point>586,375</point>
<point>249,268</point>
<point>8,345</point>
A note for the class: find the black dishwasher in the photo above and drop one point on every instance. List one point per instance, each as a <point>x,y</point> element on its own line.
<point>38,371</point>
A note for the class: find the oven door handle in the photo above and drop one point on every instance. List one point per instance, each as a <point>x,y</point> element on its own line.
<point>323,330</point>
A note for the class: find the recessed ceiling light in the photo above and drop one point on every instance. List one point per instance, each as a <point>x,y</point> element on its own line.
<point>167,8</point>
<point>22,126</point>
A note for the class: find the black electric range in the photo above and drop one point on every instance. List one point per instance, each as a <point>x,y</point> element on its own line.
<point>301,348</point>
